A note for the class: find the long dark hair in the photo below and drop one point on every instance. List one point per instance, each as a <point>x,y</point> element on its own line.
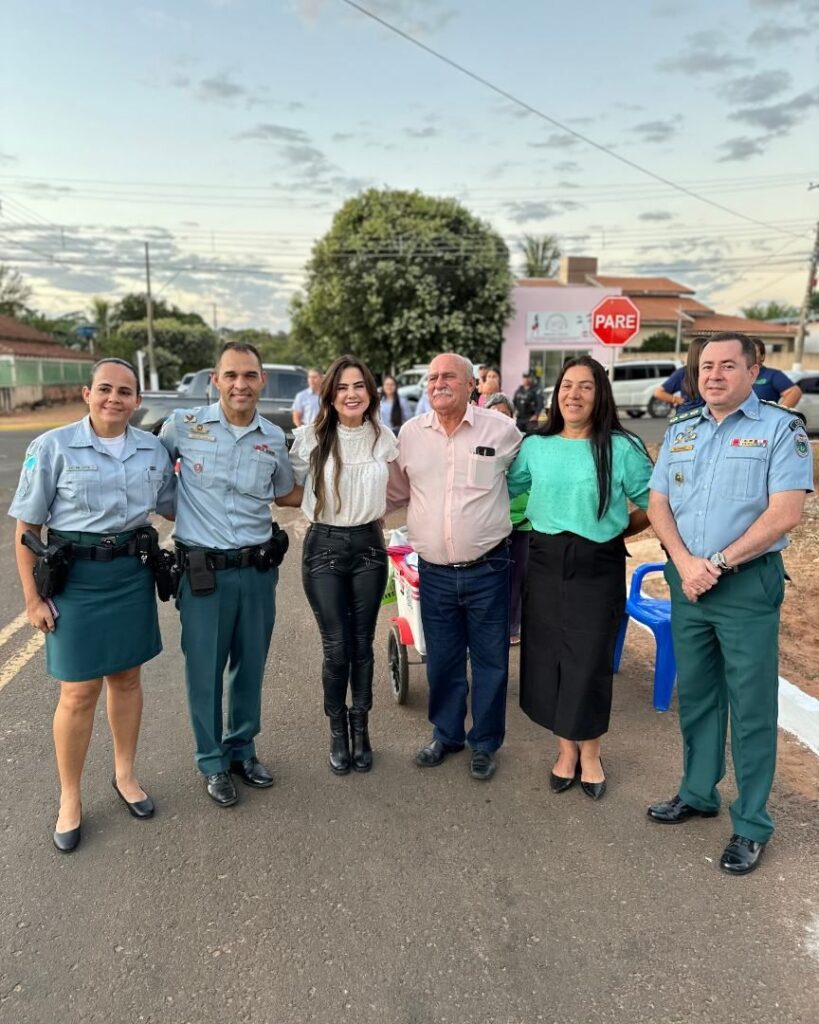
<point>605,423</point>
<point>396,413</point>
<point>326,423</point>
<point>692,366</point>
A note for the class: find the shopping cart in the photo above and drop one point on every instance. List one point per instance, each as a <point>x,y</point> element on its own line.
<point>406,629</point>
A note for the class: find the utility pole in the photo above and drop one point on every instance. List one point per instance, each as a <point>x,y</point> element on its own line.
<point>152,374</point>
<point>799,347</point>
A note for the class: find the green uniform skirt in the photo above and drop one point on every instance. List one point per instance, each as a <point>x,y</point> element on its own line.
<point>108,621</point>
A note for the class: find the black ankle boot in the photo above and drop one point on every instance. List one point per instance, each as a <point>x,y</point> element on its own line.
<point>362,751</point>
<point>339,744</point>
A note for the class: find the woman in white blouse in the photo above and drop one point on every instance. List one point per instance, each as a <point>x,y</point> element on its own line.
<point>341,458</point>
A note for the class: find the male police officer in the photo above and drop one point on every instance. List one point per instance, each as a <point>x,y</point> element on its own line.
<point>233,464</point>
<point>730,481</point>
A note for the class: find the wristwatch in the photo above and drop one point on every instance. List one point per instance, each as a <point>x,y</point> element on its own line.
<point>718,559</point>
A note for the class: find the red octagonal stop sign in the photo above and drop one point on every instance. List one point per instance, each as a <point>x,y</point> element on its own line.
<point>615,320</point>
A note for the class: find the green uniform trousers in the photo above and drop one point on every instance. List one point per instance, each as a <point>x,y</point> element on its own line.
<point>727,650</point>
<point>231,627</point>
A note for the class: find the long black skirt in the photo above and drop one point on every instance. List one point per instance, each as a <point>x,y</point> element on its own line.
<point>574,599</point>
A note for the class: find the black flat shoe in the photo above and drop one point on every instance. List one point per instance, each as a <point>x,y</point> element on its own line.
<point>675,811</point>
<point>595,790</point>
<point>252,772</point>
<point>68,841</point>
<point>433,754</point>
<point>139,808</point>
<point>741,855</point>
<point>482,765</point>
<point>221,789</point>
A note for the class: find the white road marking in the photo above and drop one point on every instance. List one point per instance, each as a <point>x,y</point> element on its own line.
<point>10,668</point>
<point>7,632</point>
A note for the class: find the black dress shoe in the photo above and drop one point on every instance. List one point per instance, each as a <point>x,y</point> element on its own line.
<point>433,754</point>
<point>559,783</point>
<point>675,811</point>
<point>741,855</point>
<point>595,790</point>
<point>139,808</point>
<point>252,772</point>
<point>482,765</point>
<point>362,751</point>
<point>221,789</point>
<point>68,841</point>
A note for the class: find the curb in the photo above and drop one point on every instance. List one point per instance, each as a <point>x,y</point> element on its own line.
<point>799,714</point>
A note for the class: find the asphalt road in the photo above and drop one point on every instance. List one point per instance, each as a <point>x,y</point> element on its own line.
<point>403,896</point>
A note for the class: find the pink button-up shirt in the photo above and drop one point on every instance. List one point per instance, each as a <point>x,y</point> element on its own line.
<point>458,505</point>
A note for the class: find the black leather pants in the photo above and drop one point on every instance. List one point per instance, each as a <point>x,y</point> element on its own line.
<point>344,572</point>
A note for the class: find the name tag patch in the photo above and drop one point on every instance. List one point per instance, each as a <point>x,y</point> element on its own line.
<point>683,448</point>
<point>200,437</point>
<point>748,442</point>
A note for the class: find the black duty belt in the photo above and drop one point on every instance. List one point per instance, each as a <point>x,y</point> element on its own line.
<point>101,549</point>
<point>496,550</point>
<point>239,558</point>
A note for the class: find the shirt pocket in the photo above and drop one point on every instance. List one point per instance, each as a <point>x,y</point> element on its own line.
<point>482,471</point>
<point>82,488</point>
<point>680,478</point>
<point>744,472</point>
<point>257,473</point>
<point>152,480</point>
<point>199,465</point>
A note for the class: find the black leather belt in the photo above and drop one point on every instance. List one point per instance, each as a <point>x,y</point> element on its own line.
<point>102,552</point>
<point>496,550</point>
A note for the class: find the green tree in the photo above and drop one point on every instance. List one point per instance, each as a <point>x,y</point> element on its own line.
<point>14,292</point>
<point>660,341</point>
<point>400,276</point>
<point>770,311</point>
<point>273,348</point>
<point>541,255</point>
<point>134,306</point>
<point>101,319</point>
<point>179,347</point>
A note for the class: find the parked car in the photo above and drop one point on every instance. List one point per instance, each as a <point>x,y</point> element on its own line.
<point>275,404</point>
<point>412,383</point>
<point>186,382</point>
<point>634,384</point>
<point>808,405</point>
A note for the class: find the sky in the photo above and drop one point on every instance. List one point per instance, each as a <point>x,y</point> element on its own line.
<point>226,133</point>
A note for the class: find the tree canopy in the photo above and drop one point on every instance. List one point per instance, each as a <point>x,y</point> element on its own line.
<point>179,347</point>
<point>541,255</point>
<point>400,276</point>
<point>134,306</point>
<point>14,292</point>
<point>770,311</point>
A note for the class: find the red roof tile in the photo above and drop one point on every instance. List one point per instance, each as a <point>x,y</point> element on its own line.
<point>13,330</point>
<point>717,322</point>
<point>641,285</point>
<point>18,339</point>
<point>663,309</point>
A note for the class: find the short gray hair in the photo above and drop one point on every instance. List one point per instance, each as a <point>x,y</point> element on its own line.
<point>499,398</point>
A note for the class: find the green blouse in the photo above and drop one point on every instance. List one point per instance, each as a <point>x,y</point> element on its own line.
<point>559,473</point>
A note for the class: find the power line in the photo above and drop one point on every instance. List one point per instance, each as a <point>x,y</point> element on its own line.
<point>553,121</point>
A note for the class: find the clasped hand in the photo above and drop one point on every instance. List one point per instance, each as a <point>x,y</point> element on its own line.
<point>697,575</point>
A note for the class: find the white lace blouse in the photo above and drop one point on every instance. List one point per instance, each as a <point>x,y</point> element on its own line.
<point>363,482</point>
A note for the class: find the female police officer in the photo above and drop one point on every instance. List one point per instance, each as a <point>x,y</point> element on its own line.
<point>94,483</point>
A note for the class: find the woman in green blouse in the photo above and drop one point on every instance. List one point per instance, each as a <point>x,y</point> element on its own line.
<point>580,470</point>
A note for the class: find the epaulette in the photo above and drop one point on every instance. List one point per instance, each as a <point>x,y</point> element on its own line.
<point>685,416</point>
<point>798,417</point>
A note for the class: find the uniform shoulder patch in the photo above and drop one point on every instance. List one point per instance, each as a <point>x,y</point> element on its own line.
<point>690,415</point>
<point>798,420</point>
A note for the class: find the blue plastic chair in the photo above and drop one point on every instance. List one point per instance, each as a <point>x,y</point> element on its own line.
<point>655,613</point>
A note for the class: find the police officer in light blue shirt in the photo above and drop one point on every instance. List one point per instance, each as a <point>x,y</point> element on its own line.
<point>306,403</point>
<point>729,483</point>
<point>232,465</point>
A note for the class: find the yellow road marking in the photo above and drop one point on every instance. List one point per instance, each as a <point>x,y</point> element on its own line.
<point>7,632</point>
<point>10,668</point>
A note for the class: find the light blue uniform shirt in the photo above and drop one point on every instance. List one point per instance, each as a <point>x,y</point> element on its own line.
<point>226,483</point>
<point>718,476</point>
<point>71,482</point>
<point>307,403</point>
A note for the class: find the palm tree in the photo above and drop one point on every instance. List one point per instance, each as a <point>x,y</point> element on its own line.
<point>14,292</point>
<point>541,255</point>
<point>102,319</point>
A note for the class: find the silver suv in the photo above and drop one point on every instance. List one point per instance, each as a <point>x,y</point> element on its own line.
<point>634,384</point>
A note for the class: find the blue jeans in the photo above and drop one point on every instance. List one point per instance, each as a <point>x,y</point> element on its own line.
<point>467,610</point>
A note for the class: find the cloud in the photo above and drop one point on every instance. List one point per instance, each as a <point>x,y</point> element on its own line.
<point>268,132</point>
<point>568,166</point>
<point>657,131</point>
<point>7,158</point>
<point>342,136</point>
<point>656,215</point>
<point>779,118</point>
<point>704,54</point>
<point>219,87</point>
<point>428,132</point>
<point>417,17</point>
<point>771,33</point>
<point>741,148</point>
<point>756,88</point>
<point>530,210</point>
<point>557,140</point>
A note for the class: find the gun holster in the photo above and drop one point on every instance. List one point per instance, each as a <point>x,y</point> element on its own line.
<point>201,575</point>
<point>271,554</point>
<point>53,562</point>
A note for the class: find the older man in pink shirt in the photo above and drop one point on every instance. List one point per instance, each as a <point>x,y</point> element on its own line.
<point>451,472</point>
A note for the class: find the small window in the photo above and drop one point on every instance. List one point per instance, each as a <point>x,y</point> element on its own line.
<point>284,384</point>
